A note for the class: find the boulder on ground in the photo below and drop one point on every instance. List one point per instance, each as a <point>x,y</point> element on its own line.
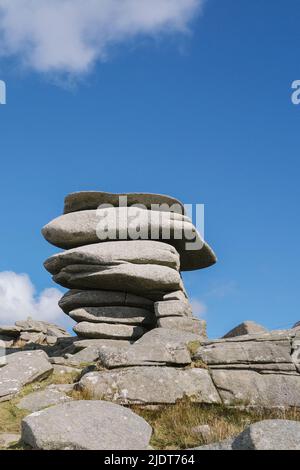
<point>108,331</point>
<point>246,328</point>
<point>150,385</point>
<point>22,368</point>
<point>271,434</point>
<point>86,425</point>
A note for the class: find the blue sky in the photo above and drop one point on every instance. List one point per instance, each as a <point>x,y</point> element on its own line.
<point>204,115</point>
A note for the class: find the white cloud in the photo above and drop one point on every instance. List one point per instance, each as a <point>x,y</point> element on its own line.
<point>18,300</point>
<point>69,36</point>
<point>199,308</point>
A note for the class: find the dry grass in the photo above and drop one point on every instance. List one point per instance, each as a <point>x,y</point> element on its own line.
<point>10,417</point>
<point>172,424</point>
<point>193,347</point>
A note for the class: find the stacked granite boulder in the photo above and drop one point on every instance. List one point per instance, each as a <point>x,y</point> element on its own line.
<point>122,264</point>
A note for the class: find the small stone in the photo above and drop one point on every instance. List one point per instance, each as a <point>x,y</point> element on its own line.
<point>6,440</point>
<point>203,430</point>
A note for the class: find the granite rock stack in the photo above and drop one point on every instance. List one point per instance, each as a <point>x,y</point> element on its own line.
<point>122,264</point>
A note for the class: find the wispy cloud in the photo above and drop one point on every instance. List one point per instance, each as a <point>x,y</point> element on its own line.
<point>18,300</point>
<point>199,308</point>
<point>222,289</point>
<point>69,36</point>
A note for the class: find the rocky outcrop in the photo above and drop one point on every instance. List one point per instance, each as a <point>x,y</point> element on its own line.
<point>122,264</point>
<point>32,332</point>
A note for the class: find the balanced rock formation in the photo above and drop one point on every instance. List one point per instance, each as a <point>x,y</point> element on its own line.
<point>122,265</point>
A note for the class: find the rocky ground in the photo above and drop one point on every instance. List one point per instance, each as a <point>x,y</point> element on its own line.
<point>170,389</point>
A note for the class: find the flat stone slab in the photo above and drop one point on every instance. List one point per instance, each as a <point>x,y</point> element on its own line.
<point>81,344</point>
<point>116,252</point>
<point>85,200</point>
<point>42,399</point>
<point>10,331</point>
<point>140,279</point>
<point>85,227</point>
<point>108,331</point>
<point>251,388</point>
<point>22,368</point>
<point>246,328</point>
<point>75,299</point>
<point>251,352</point>
<point>34,326</point>
<point>271,434</point>
<point>86,425</point>
<point>140,355</point>
<point>114,315</point>
<point>150,385</point>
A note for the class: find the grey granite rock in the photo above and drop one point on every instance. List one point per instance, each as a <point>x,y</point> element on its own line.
<point>158,336</point>
<point>75,299</point>
<point>86,425</point>
<point>116,252</point>
<point>187,324</point>
<point>9,331</point>
<point>91,226</point>
<point>22,368</point>
<point>108,331</point>
<point>251,388</point>
<point>247,353</point>
<point>271,434</point>
<point>121,315</point>
<point>86,200</point>
<point>8,439</point>
<point>246,328</point>
<point>171,308</point>
<point>141,355</point>
<point>97,344</point>
<point>36,401</point>
<point>150,385</point>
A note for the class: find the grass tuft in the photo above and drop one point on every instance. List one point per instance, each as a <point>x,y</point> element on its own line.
<point>172,425</point>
